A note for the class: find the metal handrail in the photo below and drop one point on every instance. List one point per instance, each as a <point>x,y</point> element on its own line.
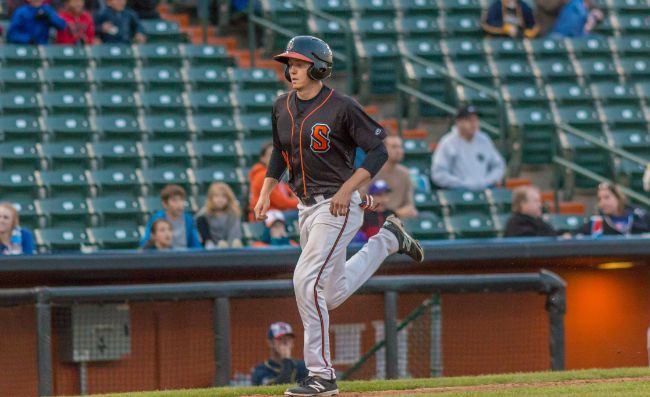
<point>595,141</point>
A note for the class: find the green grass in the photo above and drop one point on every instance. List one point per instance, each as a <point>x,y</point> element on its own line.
<point>628,388</point>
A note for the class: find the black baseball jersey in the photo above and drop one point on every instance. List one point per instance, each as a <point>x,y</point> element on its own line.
<point>318,139</point>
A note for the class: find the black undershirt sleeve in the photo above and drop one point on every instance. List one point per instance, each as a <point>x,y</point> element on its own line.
<point>276,165</point>
<point>375,159</point>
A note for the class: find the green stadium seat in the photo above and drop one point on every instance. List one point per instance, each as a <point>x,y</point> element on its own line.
<point>464,26</point>
<point>256,125</point>
<point>115,102</point>
<point>420,7</point>
<point>606,27</point>
<point>571,94</point>
<point>151,204</point>
<point>161,31</point>
<point>65,156</point>
<point>549,49</point>
<point>424,48</point>
<point>61,239</point>
<point>614,93</point>
<point>477,71</point>
<point>632,46</point>
<point>250,149</point>
<point>636,69</point>
<point>19,103</point>
<point>535,128</point>
<point>507,49</point>
<point>157,178</point>
<point>117,211</point>
<point>18,184</point>
<point>118,155</point>
<point>644,89</point>
<point>631,25</point>
<point>255,101</point>
<point>23,79</point>
<point>338,8</point>
<point>420,27</point>
<point>462,7</point>
<point>591,47</point>
<point>427,226</point>
<point>115,78</point>
<point>209,78</point>
<point>475,225</point>
<point>166,102</point>
<point>428,202</point>
<point>624,117</point>
<point>115,237</point>
<point>115,182</point>
<point>501,199</point>
<point>64,184</point>
<point>65,128</point>
<point>333,32</point>
<point>113,55</point>
<point>162,78</point>
<point>416,148</point>
<point>256,78</point>
<point>203,177</point>
<point>66,103</point>
<point>210,102</point>
<point>598,69</point>
<point>385,8</point>
<point>525,96</point>
<point>377,60</point>
<point>501,220</point>
<point>637,142</point>
<point>586,155</point>
<point>565,223</point>
<point>19,156</point>
<point>215,152</point>
<point>117,127</point>
<point>631,173</point>
<point>584,117</point>
<point>556,71</point>
<point>513,71</point>
<point>429,82</point>
<point>66,55</point>
<point>631,7</point>
<point>165,153</point>
<point>464,49</point>
<point>215,126</point>
<point>213,56</point>
<point>66,78</point>
<point>253,232</point>
<point>167,126</point>
<point>418,166</point>
<point>20,55</point>
<point>460,201</point>
<point>160,55</point>
<point>64,212</point>
<point>26,210</point>
<point>20,128</point>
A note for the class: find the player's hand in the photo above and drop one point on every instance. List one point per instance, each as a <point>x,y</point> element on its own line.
<point>340,202</point>
<point>262,207</point>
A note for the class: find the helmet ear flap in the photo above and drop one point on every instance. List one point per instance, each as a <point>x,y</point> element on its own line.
<point>286,73</point>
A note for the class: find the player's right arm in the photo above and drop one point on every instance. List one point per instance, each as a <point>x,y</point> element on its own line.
<point>274,172</point>
<point>263,203</point>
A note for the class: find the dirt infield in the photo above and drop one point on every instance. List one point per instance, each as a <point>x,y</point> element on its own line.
<point>490,387</point>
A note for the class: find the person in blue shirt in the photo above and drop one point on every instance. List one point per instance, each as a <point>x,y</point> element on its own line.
<point>118,24</point>
<point>184,232</point>
<point>280,368</point>
<point>14,240</point>
<point>577,19</point>
<point>31,23</point>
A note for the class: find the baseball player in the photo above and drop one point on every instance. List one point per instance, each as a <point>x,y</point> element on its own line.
<point>316,131</point>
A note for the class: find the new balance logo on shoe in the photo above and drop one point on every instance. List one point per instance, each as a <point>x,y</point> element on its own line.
<point>317,386</point>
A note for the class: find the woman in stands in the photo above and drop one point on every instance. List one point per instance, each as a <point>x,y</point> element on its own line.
<point>161,235</point>
<point>618,217</point>
<point>14,240</point>
<point>219,221</point>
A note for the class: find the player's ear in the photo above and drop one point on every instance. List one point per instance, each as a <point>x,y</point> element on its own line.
<point>286,73</point>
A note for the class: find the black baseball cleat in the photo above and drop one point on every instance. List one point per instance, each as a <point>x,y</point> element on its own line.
<point>407,244</point>
<point>314,386</point>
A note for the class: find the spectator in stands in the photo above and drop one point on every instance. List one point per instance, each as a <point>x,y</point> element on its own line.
<point>281,197</point>
<point>280,368</point>
<point>14,239</point>
<point>219,221</point>
<point>80,29</point>
<point>512,18</point>
<point>618,217</point>
<point>526,218</point>
<point>399,198</point>
<point>275,231</point>
<point>646,178</point>
<point>118,24</point>
<point>161,235</point>
<point>466,158</point>
<point>546,12</point>
<point>373,220</point>
<point>31,23</point>
<point>184,231</point>
<point>146,9</point>
<point>578,18</point>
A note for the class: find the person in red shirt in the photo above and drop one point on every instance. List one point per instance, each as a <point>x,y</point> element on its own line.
<point>80,29</point>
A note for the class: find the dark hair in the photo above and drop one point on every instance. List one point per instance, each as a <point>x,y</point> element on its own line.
<point>265,147</point>
<point>622,199</point>
<point>170,191</point>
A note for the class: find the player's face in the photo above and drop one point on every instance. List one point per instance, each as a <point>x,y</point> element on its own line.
<point>163,236</point>
<point>175,206</point>
<point>298,73</point>
<point>533,204</point>
<point>394,149</point>
<point>467,126</point>
<point>607,202</point>
<point>6,220</point>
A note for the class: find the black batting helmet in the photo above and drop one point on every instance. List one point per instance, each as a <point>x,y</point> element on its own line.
<point>309,49</point>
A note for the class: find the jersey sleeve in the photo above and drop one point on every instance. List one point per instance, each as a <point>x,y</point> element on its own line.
<point>277,166</point>
<point>365,131</point>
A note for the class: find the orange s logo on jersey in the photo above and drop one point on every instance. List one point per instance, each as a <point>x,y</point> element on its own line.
<point>320,138</point>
